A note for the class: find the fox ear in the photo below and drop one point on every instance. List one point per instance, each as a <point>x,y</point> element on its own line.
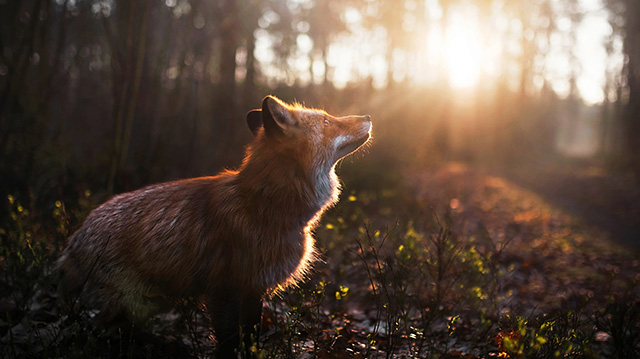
<point>254,120</point>
<point>276,116</point>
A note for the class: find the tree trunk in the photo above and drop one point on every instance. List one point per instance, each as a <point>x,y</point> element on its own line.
<point>127,75</point>
<point>632,116</point>
<point>631,120</point>
<point>442,130</point>
<point>250,79</point>
<point>225,98</point>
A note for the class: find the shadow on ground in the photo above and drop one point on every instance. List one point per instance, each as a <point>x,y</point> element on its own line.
<point>586,190</point>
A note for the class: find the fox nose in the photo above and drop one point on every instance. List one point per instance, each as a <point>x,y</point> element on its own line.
<point>367,117</point>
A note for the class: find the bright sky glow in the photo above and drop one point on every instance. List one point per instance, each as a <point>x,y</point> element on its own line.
<point>465,56</point>
<point>593,57</point>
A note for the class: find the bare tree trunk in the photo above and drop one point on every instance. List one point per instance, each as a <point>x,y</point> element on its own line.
<point>18,68</point>
<point>127,73</point>
<point>442,131</point>
<point>225,98</point>
<point>525,63</point>
<point>137,78</point>
<point>250,79</point>
<point>631,111</point>
<point>632,116</point>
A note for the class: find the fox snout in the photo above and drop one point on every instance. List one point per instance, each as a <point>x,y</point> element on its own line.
<point>357,134</point>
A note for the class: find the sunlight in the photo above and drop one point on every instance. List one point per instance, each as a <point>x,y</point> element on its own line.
<point>462,52</point>
<point>473,47</point>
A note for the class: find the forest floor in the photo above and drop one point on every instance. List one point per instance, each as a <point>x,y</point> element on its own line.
<point>545,256</point>
<point>581,197</point>
<point>552,242</point>
<point>454,261</point>
<point>571,236</point>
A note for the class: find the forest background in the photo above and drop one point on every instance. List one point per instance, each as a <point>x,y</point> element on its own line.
<point>114,95</point>
<point>99,97</point>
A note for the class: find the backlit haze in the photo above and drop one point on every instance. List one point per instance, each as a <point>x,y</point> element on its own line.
<point>469,48</point>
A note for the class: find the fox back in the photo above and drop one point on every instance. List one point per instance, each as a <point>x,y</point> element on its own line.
<point>247,232</point>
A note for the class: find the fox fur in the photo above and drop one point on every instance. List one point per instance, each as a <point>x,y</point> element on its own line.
<point>230,239</point>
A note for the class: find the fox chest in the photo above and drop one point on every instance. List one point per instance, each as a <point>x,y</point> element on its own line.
<point>284,261</point>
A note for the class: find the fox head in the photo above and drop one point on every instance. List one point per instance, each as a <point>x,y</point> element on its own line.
<point>308,135</point>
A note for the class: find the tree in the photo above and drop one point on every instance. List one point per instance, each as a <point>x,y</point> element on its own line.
<point>324,21</point>
<point>126,33</point>
<point>629,116</point>
<point>631,122</point>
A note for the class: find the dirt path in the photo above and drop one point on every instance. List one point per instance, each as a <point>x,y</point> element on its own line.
<point>585,197</point>
<point>562,227</point>
<point>610,202</point>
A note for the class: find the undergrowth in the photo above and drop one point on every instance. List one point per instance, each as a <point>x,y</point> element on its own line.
<point>397,279</point>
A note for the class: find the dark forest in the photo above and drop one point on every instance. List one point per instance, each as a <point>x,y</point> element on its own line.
<point>495,213</point>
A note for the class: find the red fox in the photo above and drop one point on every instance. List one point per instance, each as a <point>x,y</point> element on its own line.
<point>230,239</point>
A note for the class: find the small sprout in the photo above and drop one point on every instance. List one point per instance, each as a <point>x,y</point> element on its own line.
<point>342,292</point>
<point>451,324</point>
<point>320,287</point>
<point>477,291</point>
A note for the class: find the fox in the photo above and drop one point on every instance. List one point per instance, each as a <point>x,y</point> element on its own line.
<point>229,240</point>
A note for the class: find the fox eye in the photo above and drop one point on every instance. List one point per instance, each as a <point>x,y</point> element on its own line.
<point>326,122</point>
